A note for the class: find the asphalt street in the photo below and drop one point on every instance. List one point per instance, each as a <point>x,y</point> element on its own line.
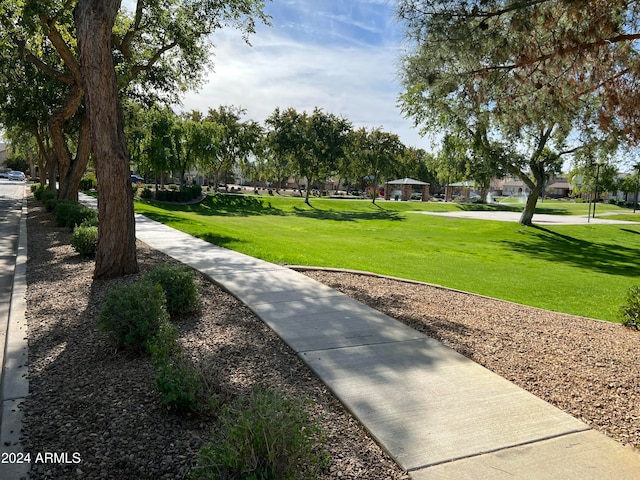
<point>13,344</point>
<point>11,194</point>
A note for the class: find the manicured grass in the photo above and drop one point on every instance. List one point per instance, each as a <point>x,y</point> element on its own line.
<point>583,270</point>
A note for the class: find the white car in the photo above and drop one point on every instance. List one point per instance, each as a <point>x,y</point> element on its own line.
<point>14,175</point>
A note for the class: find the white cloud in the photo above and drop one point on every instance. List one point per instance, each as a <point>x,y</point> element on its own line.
<point>355,79</point>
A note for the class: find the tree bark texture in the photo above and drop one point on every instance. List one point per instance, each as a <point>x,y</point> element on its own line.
<point>116,250</point>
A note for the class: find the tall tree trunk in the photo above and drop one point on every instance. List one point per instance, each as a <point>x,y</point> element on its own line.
<point>116,250</point>
<point>530,207</point>
<point>536,187</point>
<point>56,127</point>
<point>306,195</point>
<point>70,178</point>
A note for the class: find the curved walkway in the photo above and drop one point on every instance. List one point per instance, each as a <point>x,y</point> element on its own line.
<point>538,218</point>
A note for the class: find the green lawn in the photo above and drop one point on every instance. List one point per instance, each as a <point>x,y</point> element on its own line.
<point>584,270</point>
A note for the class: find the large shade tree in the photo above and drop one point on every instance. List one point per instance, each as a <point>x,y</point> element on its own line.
<point>313,143</point>
<point>156,51</point>
<point>374,154</point>
<point>39,50</point>
<point>237,139</point>
<point>172,31</point>
<point>518,79</point>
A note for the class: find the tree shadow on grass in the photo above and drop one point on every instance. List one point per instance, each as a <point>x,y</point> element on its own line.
<point>606,258</point>
<point>236,205</point>
<point>223,205</point>
<point>479,207</point>
<point>340,216</point>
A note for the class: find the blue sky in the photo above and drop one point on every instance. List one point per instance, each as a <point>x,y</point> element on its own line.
<point>338,55</point>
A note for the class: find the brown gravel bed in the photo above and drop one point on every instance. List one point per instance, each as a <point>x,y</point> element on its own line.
<point>88,400</point>
<point>588,368</point>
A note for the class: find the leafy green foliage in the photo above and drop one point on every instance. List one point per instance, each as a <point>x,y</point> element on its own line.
<point>132,314</point>
<point>85,239</point>
<point>178,384</point>
<point>89,182</point>
<point>264,436</point>
<point>630,310</point>
<point>314,143</point>
<point>180,289</point>
<point>69,214</point>
<point>177,381</point>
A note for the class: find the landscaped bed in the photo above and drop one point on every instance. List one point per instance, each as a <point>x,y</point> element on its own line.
<point>85,398</point>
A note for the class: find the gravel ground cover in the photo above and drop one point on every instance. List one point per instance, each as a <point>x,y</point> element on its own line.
<point>86,398</point>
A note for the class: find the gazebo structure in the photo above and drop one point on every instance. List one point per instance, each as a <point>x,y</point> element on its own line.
<point>459,189</point>
<point>403,188</point>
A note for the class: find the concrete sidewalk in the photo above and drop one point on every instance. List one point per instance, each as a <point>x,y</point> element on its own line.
<point>538,218</point>
<point>438,414</point>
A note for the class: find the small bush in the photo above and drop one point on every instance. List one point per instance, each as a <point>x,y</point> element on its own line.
<point>180,289</point>
<point>178,384</point>
<point>265,436</point>
<point>47,194</point>
<point>85,239</point>
<point>69,214</point>
<point>51,204</point>
<point>630,310</point>
<point>133,313</point>
<point>88,182</point>
<point>177,381</point>
<point>146,193</point>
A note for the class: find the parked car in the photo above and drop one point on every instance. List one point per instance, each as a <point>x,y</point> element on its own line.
<point>15,175</point>
<point>4,174</point>
<point>136,180</point>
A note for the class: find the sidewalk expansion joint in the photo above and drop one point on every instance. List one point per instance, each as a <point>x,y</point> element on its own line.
<point>344,347</point>
<point>501,449</point>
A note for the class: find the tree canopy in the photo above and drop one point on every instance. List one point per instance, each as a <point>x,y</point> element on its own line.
<point>518,81</point>
<point>541,54</point>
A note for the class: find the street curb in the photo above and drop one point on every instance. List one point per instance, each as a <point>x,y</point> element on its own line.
<point>15,383</point>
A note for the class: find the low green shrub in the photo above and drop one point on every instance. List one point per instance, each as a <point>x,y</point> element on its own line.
<point>172,194</point>
<point>47,194</point>
<point>630,310</point>
<point>51,204</point>
<point>69,214</point>
<point>85,239</point>
<point>264,436</point>
<point>146,193</point>
<point>89,182</point>
<point>132,315</point>
<point>179,286</point>
<point>176,380</point>
<point>178,384</point>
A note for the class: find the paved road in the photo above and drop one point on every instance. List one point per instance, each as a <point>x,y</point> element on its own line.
<point>11,194</point>
<point>13,344</point>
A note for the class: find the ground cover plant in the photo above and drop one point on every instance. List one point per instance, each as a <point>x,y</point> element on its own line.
<point>579,269</point>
